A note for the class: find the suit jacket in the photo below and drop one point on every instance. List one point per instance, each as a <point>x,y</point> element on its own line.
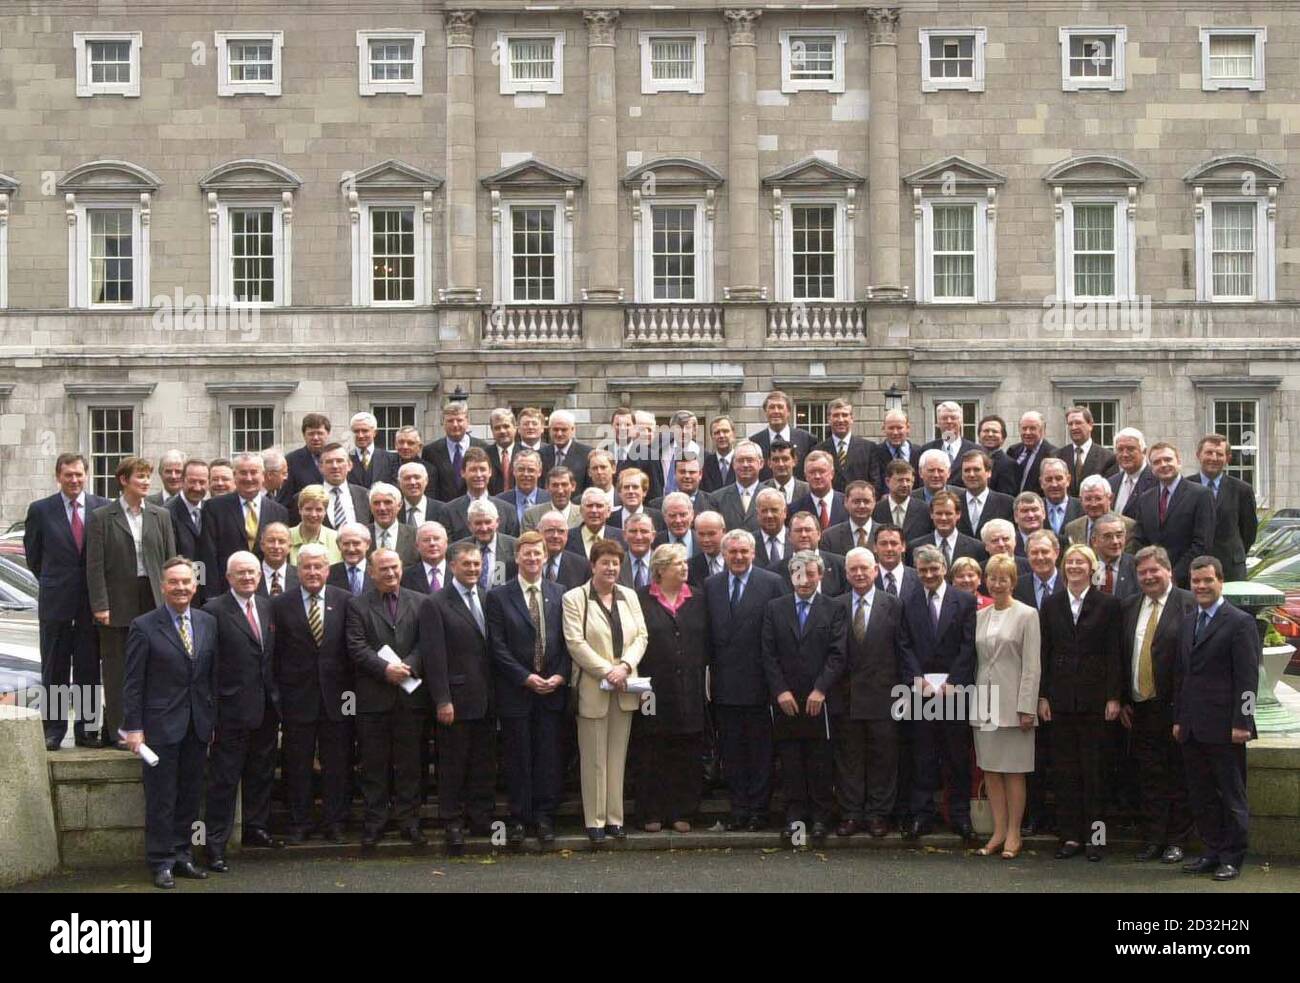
<point>840,537</point>
<point>164,691</point>
<point>444,483</point>
<point>955,478</point>
<point>834,580</point>
<point>575,459</point>
<point>1008,665</point>
<point>735,660</point>
<point>838,511</point>
<point>111,560</point>
<point>663,538</point>
<point>908,581</point>
<point>191,543</point>
<point>1235,525</point>
<point>160,498</point>
<point>1215,672</point>
<point>458,514</point>
<point>313,680</point>
<point>1146,480</point>
<point>383,467</point>
<point>411,636</point>
<point>996,506</point>
<point>1126,579</point>
<point>223,525</point>
<point>1179,606</point>
<point>589,638</point>
<point>245,672</point>
<point>434,511</point>
<point>1026,590</point>
<point>360,505</point>
<point>618,515</point>
<point>697,569</point>
<point>512,640</point>
<point>732,511</point>
<point>966,546</point>
<point>576,545</point>
<point>533,517</point>
<point>1081,662</point>
<point>497,483</point>
<point>1076,531</point>
<point>764,557</point>
<point>405,544</point>
<point>503,558</point>
<point>859,461</point>
<point>302,470</point>
<point>459,665</point>
<point>802,440</point>
<point>626,571</point>
<point>53,558</point>
<point>799,662</point>
<point>948,648</point>
<point>1006,476</point>
<point>415,578</point>
<point>1027,472</point>
<point>574,569</point>
<point>1100,460</point>
<point>1188,529</point>
<point>676,654</point>
<point>290,581</point>
<point>883,454</point>
<point>799,491</point>
<point>711,474</point>
<point>701,501</point>
<point>874,666</point>
<point>915,524</point>
<point>509,502</point>
<point>338,577</point>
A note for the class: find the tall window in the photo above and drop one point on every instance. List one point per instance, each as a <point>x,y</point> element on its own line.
<point>533,252</point>
<point>392,254</point>
<point>1238,420</point>
<point>1105,420</point>
<point>112,440</point>
<point>112,261</point>
<point>391,417</point>
<point>252,428</point>
<point>1233,249</point>
<point>674,252</point>
<point>813,416</point>
<point>954,251</point>
<point>252,255</point>
<point>813,251</point>
<point>1094,250</point>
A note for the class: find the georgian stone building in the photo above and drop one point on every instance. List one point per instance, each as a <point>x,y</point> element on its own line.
<point>215,218</point>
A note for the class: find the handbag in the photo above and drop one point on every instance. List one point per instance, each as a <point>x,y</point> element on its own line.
<point>981,811</point>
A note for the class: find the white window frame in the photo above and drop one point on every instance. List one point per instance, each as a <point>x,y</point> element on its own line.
<point>835,84</point>
<point>373,87</point>
<point>91,404</point>
<point>986,277</point>
<point>930,83</point>
<point>1265,248</point>
<point>1262,398</point>
<point>79,248</point>
<point>227,87</point>
<point>250,404</point>
<point>1125,248</point>
<point>784,248</point>
<point>650,85</point>
<point>503,251</point>
<point>363,244</point>
<point>85,87</point>
<point>282,214</point>
<point>509,85</point>
<point>644,250</point>
<point>6,196</point>
<point>1116,82</point>
<point>1209,83</point>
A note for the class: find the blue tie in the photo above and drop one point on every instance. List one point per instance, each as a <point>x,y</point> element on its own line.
<point>1202,622</point>
<point>735,592</point>
<point>1042,592</point>
<point>354,580</point>
<point>803,615</point>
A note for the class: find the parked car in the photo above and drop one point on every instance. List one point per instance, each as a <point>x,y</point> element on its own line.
<point>1273,544</point>
<point>1283,572</point>
<point>20,656</point>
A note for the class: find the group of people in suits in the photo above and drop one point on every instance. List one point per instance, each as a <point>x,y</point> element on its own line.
<point>776,605</point>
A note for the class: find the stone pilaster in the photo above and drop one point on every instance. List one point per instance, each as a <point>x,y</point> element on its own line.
<point>602,158</point>
<point>885,279</point>
<point>742,156</point>
<point>462,165</point>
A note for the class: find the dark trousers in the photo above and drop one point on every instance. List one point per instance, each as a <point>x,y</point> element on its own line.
<point>866,767</point>
<point>532,749</point>
<point>332,740</point>
<point>112,656</point>
<point>1040,782</point>
<point>467,778</point>
<point>241,759</point>
<point>939,745</point>
<point>1162,786</point>
<point>903,793</point>
<point>806,779</point>
<point>70,654</point>
<point>745,740</point>
<point>1077,749</point>
<point>390,741</point>
<point>172,789</point>
<point>668,775</point>
<point>1216,784</point>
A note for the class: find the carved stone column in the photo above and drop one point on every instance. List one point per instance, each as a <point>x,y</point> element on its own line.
<point>742,157</point>
<point>601,219</point>
<point>462,164</point>
<point>885,279</point>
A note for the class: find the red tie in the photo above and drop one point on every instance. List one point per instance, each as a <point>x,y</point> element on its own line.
<point>1109,587</point>
<point>1164,503</point>
<point>505,468</point>
<point>78,530</point>
<point>825,515</point>
<point>252,620</point>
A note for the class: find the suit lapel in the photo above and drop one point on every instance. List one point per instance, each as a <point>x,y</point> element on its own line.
<point>118,513</point>
<point>1211,628</point>
<point>515,591</point>
<point>169,629</point>
<point>946,610</point>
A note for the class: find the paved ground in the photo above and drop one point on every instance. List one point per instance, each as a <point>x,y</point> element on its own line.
<point>733,870</point>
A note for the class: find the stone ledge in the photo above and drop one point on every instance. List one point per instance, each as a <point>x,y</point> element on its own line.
<point>86,764</point>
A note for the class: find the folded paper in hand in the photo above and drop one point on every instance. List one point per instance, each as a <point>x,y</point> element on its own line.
<point>410,684</point>
<point>638,684</point>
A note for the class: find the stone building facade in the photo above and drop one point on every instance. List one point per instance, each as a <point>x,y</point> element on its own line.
<point>673,205</point>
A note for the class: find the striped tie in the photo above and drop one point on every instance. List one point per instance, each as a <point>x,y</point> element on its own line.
<point>183,626</point>
<point>314,621</point>
<point>842,458</point>
<point>340,517</point>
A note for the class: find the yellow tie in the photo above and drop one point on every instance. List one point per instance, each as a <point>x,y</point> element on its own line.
<point>744,501</point>
<point>1146,671</point>
<point>250,525</point>
<point>365,458</point>
<point>184,626</point>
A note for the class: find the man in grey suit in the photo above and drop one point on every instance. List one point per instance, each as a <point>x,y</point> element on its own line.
<point>387,533</point>
<point>1235,520</point>
<point>1095,496</point>
<point>127,543</point>
<point>560,487</point>
<point>496,549</point>
<point>171,469</point>
<point>738,502</point>
<point>639,534</point>
<point>525,479</point>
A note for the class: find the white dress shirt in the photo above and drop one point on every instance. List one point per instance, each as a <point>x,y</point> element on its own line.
<point>136,521</point>
<point>1144,614</point>
<point>340,493</point>
<point>1076,603</point>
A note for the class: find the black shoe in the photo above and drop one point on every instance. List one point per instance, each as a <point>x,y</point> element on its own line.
<point>162,877</point>
<point>916,829</point>
<point>455,839</point>
<point>877,827</point>
<point>1149,852</point>
<point>413,836</point>
<point>964,829</point>
<point>1094,854</point>
<point>262,839</point>
<point>846,828</point>
<point>545,832</point>
<point>756,824</point>
<point>1201,865</point>
<point>1067,850</point>
<point>515,836</point>
<point>736,823</point>
<point>1226,872</point>
<point>186,868</point>
<point>217,864</point>
<point>87,740</point>
<point>618,832</point>
<point>53,743</point>
<point>597,835</point>
<point>1172,855</point>
<point>819,831</point>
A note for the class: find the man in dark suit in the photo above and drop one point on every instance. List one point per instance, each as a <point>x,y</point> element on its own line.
<point>941,625</point>
<point>477,472</point>
<point>459,671</point>
<point>391,717</point>
<point>948,420</point>
<point>642,453</point>
<point>1117,573</point>
<point>446,455</point>
<point>1030,453</point>
<point>717,462</point>
<point>243,755</point>
<point>772,539</point>
<point>275,476</point>
<point>892,576</point>
<point>1095,497</point>
<point>168,696</point>
<point>352,573</point>
<point>639,537</point>
<point>346,502</point>
<point>314,678</point>
<point>1132,477</point>
<point>187,523</point>
<point>1177,514</point>
<point>738,501</point>
<point>54,543</point>
<point>679,517</point>
<point>502,451</point>
<point>595,512</point>
<point>676,442</point>
<point>805,536</point>
<point>1153,623</point>
<point>524,493</point>
<point>563,450</point>
<point>708,559</point>
<point>234,521</point>
<point>370,463</point>
<point>429,573</point>
<point>688,474</point>
<point>496,549</point>
<point>803,657</point>
<point>1214,716</point>
<point>854,456</point>
<point>531,667</point>
<point>951,544</point>
<point>863,726</point>
<point>1006,476</point>
<point>1235,519</point>
<point>278,574</point>
<point>900,507</point>
<point>736,601</point>
<point>822,500</point>
<point>562,566</point>
<point>633,487</point>
<point>860,503</point>
<point>124,580</point>
<point>897,446</point>
<point>303,463</point>
<point>1031,516</point>
<point>387,532</point>
<point>782,463</point>
<point>417,507</point>
<point>1082,456</point>
<point>779,410</point>
<point>979,500</point>
<point>1061,507</point>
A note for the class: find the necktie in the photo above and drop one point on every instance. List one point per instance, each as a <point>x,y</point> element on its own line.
<point>354,580</point>
<point>1164,503</point>
<point>898,453</point>
<point>365,459</point>
<point>250,525</point>
<point>640,573</point>
<point>715,565</point>
<point>252,620</point>
<point>735,592</point>
<point>183,626</point>
<point>860,621</point>
<point>559,458</point>
<point>803,615</point>
<point>485,577</point>
<point>952,454</point>
<point>196,517</point>
<point>934,609</point>
<point>391,600</point>
<point>340,517</point>
<point>744,501</point>
<point>413,517</point>
<point>551,573</point>
<point>1214,489</point>
<point>276,588</point>
<point>724,470</point>
<point>1125,490</point>
<point>825,515</point>
<point>1042,593</point>
<point>383,539</point>
<point>314,621</point>
<point>539,643</point>
<point>947,552</point>
<point>670,475</point>
<point>1202,620</point>
<point>1078,466</point>
<point>435,580</point>
<point>973,509</point>
<point>1146,669</point>
<point>842,457</point>
<point>1109,586</point>
<point>508,480</point>
<point>78,528</point>
<point>900,513</point>
<point>1057,516</point>
<point>862,537</point>
<point>456,465</point>
<point>475,610</point>
<point>773,550</point>
<point>890,586</point>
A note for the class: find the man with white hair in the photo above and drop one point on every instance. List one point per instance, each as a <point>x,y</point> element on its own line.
<point>370,462</point>
<point>275,475</point>
<point>679,516</point>
<point>708,559</point>
<point>386,532</point>
<point>999,539</point>
<point>1032,450</point>
<point>639,536</point>
<point>949,421</point>
<point>497,549</point>
<point>446,455</point>
<point>563,566</point>
<point>737,502</point>
<point>564,450</point>
<point>428,574</point>
<point>171,471</point>
<point>643,453</point>
<point>351,573</point>
<point>935,471</point>
<point>1095,497</point>
<point>417,507</point>
<point>595,524</point>
<point>234,521</point>
<point>1133,477</point>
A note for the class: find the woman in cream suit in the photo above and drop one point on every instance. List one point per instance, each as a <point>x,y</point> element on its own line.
<point>1007,649</point>
<point>606,635</point>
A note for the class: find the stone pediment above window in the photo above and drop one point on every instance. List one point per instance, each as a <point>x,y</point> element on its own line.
<point>250,174</point>
<point>954,172</point>
<point>673,174</point>
<point>1092,172</point>
<point>115,176</point>
<point>1234,171</point>
<point>532,175</point>
<point>9,185</point>
<point>814,174</point>
<point>392,176</point>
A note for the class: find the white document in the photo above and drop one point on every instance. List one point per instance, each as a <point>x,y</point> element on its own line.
<point>637,684</point>
<point>144,751</point>
<point>936,679</point>
<point>410,684</point>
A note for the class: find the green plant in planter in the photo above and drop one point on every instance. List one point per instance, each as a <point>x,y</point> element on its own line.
<point>1272,636</point>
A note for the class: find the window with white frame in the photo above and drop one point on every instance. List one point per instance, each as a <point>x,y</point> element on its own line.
<point>394,254</point>
<point>674,263</point>
<point>1232,58</point>
<point>390,418</point>
<point>952,58</point>
<point>531,63</point>
<point>813,415</point>
<point>1092,58</point>
<point>1239,421</point>
<point>813,60</point>
<point>391,61</point>
<point>1105,419</point>
<point>533,253</point>
<point>108,63</point>
<point>1232,249</point>
<point>672,61</point>
<point>249,63</point>
<point>1097,244</point>
<point>957,256</point>
<point>252,428</point>
<point>8,188</point>
<point>112,437</point>
<point>111,254</point>
<point>813,251</point>
<point>253,252</point>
